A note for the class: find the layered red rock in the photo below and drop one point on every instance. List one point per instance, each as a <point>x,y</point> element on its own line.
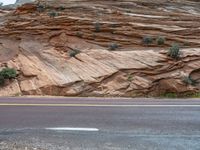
<point>38,46</point>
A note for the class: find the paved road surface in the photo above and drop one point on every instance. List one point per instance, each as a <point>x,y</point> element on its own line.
<point>99,124</point>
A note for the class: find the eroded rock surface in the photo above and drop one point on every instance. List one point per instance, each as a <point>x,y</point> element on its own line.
<point>37,41</point>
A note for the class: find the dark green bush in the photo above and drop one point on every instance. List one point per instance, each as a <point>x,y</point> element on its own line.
<point>8,73</point>
<point>147,40</point>
<point>130,78</point>
<point>113,46</point>
<point>97,27</point>
<point>61,8</point>
<point>79,34</point>
<point>2,80</point>
<point>40,8</point>
<point>52,14</point>
<point>174,51</point>
<point>160,40</point>
<point>74,52</point>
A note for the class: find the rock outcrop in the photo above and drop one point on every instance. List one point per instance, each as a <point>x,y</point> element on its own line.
<point>38,38</point>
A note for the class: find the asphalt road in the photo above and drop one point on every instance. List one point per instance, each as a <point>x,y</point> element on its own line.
<point>95,123</point>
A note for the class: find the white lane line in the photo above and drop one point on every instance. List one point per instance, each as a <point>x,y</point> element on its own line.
<point>73,129</point>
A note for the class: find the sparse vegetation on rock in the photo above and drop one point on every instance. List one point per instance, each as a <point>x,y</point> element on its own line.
<point>74,52</point>
<point>43,48</point>
<point>79,34</point>
<point>2,80</point>
<point>97,27</point>
<point>160,40</point>
<point>147,40</point>
<point>61,8</point>
<point>7,73</point>
<point>113,46</point>
<point>169,95</point>
<point>174,51</point>
<point>40,8</point>
<point>196,95</point>
<point>53,14</point>
<point>130,77</point>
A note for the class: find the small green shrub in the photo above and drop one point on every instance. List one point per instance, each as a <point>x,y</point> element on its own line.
<point>169,95</point>
<point>128,11</point>
<point>79,34</point>
<point>2,80</point>
<point>160,40</point>
<point>147,40</point>
<point>40,8</point>
<point>113,46</point>
<point>189,81</point>
<point>61,8</point>
<point>174,51</point>
<point>74,52</point>
<point>52,14</point>
<point>196,95</point>
<point>8,73</point>
<point>130,78</point>
<point>97,27</point>
<point>181,95</point>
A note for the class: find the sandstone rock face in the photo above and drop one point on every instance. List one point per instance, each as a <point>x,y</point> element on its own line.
<point>38,43</point>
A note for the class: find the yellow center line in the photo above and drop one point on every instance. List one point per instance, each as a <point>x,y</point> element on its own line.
<point>96,105</point>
